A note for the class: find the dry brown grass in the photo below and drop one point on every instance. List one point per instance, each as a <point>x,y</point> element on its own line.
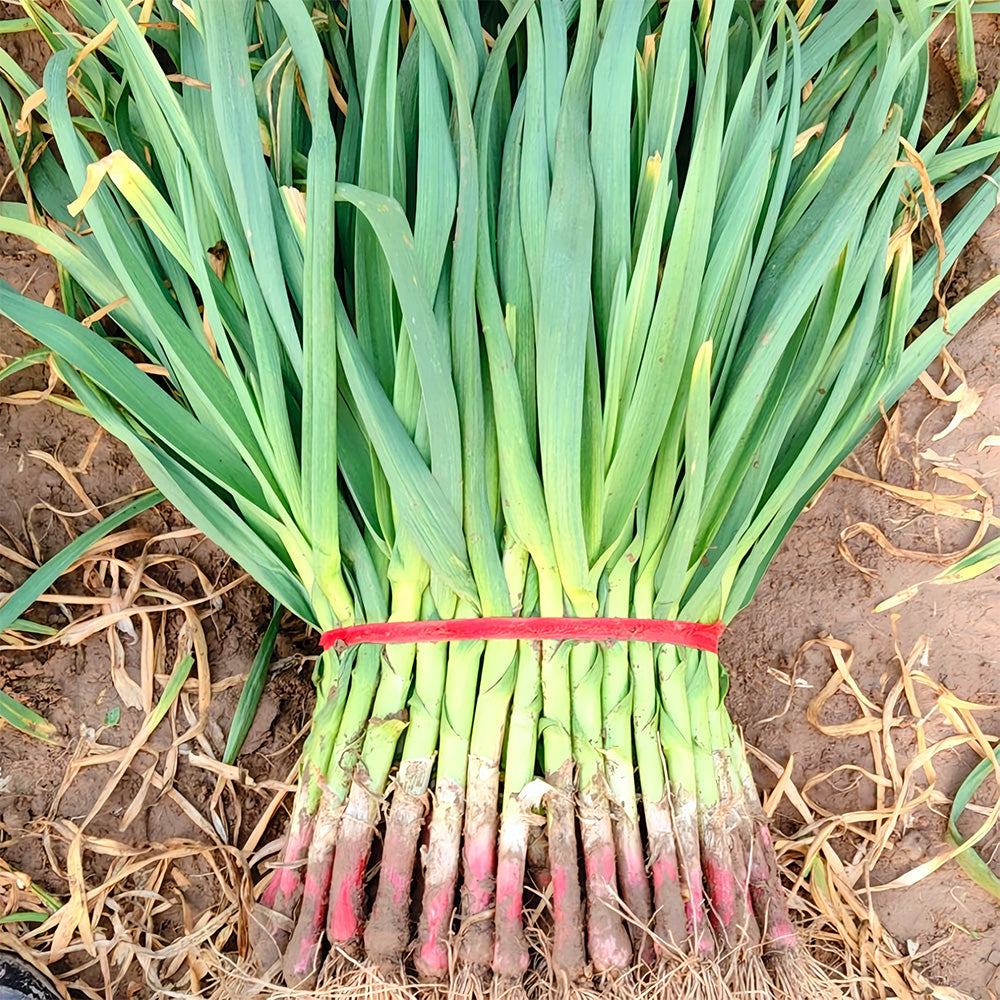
<point>835,899</point>
<point>102,932</point>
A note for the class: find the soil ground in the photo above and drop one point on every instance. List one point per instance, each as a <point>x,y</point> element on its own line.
<point>949,924</point>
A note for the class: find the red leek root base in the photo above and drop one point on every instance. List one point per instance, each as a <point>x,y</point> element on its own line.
<point>533,910</point>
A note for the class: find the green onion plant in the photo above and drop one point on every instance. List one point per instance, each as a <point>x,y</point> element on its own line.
<point>542,308</point>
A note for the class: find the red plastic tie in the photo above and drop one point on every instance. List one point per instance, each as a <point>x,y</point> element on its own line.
<point>691,634</point>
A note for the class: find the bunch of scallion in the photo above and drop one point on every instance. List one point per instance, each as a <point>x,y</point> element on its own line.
<point>549,308</point>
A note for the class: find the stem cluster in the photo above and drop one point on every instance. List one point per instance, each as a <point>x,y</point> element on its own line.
<point>550,810</point>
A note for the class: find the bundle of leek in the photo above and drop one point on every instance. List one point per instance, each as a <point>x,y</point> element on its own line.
<point>554,309</point>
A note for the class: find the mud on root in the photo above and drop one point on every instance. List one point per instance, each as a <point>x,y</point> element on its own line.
<point>548,930</point>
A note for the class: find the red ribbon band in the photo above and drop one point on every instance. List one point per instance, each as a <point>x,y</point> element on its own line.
<point>691,634</point>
